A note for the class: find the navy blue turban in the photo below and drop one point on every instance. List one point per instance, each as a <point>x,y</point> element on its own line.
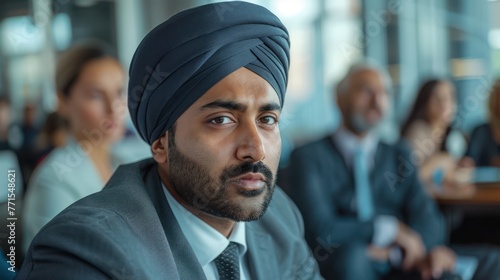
<point>182,58</point>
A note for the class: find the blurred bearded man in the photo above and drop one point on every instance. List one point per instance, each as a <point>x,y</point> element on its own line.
<point>365,210</point>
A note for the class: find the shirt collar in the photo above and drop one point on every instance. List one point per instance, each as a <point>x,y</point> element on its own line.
<point>73,145</point>
<point>348,143</point>
<point>207,243</point>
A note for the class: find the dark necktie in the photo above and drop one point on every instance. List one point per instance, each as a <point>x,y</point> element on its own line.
<point>228,263</point>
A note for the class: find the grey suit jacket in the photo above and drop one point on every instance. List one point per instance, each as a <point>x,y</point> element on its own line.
<point>127,231</point>
<point>323,188</point>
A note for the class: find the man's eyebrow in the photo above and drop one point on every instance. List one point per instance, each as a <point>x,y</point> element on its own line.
<point>270,107</point>
<point>230,105</point>
<point>235,106</point>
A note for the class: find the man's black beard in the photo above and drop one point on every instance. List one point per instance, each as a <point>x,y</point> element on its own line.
<point>196,187</point>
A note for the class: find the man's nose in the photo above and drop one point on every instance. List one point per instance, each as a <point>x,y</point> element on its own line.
<point>378,98</point>
<point>251,146</point>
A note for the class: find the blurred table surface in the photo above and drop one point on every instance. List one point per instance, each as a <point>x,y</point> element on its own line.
<point>482,194</point>
<point>475,200</point>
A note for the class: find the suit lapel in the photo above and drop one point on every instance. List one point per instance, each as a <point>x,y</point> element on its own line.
<point>185,259</point>
<point>337,153</point>
<point>381,167</point>
<point>345,177</point>
<point>128,185</point>
<point>261,258</point>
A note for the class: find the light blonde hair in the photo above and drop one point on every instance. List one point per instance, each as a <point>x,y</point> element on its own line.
<point>74,60</point>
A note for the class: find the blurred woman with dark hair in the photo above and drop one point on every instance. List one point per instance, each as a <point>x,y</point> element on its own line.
<point>89,83</point>
<point>484,144</point>
<point>428,129</point>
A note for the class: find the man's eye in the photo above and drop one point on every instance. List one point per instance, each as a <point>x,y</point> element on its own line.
<point>221,120</point>
<point>270,120</point>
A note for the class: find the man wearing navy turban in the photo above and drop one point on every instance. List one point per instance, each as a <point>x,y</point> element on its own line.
<point>206,91</point>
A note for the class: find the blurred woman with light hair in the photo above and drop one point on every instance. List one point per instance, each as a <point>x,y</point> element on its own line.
<point>89,83</point>
<point>484,144</point>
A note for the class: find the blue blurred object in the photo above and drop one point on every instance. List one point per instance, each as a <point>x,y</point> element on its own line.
<point>438,178</point>
<point>5,268</point>
<point>466,267</point>
<point>486,175</point>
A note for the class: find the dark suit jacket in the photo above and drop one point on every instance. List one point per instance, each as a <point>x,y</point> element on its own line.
<point>482,147</point>
<point>127,231</point>
<point>323,188</point>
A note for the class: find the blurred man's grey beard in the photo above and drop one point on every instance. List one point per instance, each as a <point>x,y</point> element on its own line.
<point>360,125</point>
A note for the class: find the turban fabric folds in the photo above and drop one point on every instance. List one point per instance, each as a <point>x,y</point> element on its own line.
<point>182,58</point>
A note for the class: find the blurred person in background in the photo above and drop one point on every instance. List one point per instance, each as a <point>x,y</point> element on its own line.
<point>5,119</point>
<point>89,84</point>
<point>8,157</point>
<point>8,161</point>
<point>484,150</point>
<point>54,135</point>
<point>362,194</point>
<point>10,132</point>
<point>29,127</point>
<point>484,144</point>
<point>428,129</point>
<point>29,132</point>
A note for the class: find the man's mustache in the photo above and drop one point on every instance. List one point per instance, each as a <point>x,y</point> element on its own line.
<point>377,108</point>
<point>248,167</point>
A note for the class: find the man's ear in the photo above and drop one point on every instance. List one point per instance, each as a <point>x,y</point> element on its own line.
<point>160,148</point>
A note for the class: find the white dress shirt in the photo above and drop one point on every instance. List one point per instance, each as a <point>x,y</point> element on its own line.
<point>206,242</point>
<point>385,226</point>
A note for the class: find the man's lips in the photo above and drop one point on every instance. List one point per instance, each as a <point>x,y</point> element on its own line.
<point>250,181</point>
<point>251,177</point>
